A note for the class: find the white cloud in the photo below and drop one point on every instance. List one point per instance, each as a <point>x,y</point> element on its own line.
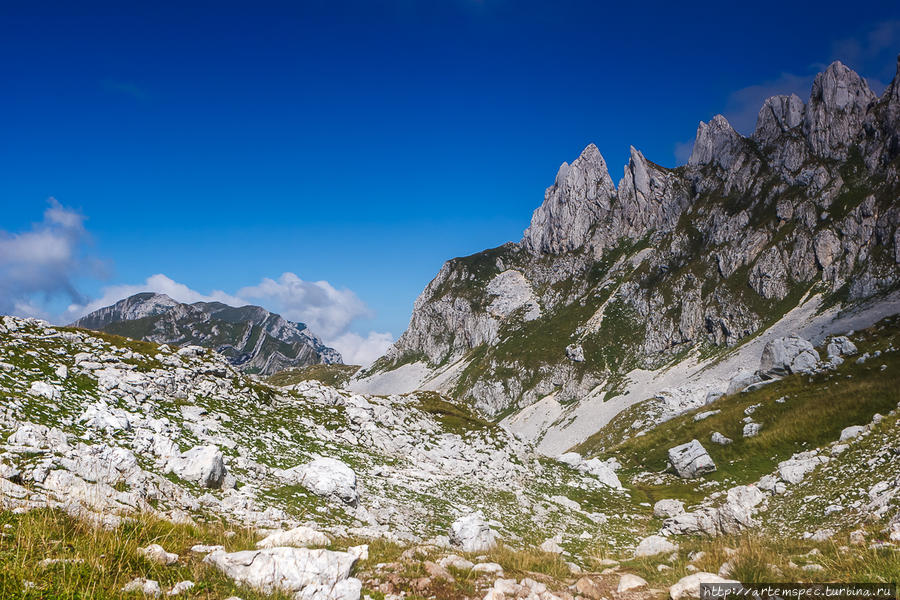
<point>327,311</point>
<point>38,264</point>
<point>873,51</point>
<point>363,351</point>
<point>683,151</point>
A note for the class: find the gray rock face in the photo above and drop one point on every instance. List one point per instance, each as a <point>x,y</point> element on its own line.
<point>691,460</point>
<point>787,355</point>
<point>580,196</point>
<point>837,109</point>
<point>717,143</point>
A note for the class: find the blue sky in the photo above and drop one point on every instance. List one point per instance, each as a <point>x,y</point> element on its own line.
<point>221,145</point>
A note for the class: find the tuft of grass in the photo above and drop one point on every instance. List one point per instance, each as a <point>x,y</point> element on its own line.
<point>529,561</point>
<point>455,418</point>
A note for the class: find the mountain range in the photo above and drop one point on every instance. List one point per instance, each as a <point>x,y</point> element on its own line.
<point>620,293</point>
<point>250,337</point>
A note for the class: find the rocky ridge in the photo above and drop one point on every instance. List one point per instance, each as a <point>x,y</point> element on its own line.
<point>252,338</point>
<point>670,265</point>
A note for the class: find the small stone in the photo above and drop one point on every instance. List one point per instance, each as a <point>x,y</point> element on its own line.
<point>629,581</point>
<point>180,588</point>
<point>156,553</point>
<point>653,545</point>
<point>148,587</point>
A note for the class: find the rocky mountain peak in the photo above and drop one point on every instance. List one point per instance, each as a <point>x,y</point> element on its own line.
<point>778,116</point>
<point>837,108</point>
<point>637,175</point>
<point>581,194</point>
<point>717,142</point>
<point>138,306</point>
<point>251,337</point>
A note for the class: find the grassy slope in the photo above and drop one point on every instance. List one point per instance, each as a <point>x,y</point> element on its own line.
<point>814,411</point>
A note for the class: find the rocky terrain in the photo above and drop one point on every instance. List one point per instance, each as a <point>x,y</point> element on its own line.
<point>286,490</point>
<point>619,293</point>
<point>252,338</point>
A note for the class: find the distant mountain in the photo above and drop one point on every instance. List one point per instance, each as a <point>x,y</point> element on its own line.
<point>252,338</point>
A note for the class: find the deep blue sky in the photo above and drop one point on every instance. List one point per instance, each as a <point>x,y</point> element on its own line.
<point>364,143</point>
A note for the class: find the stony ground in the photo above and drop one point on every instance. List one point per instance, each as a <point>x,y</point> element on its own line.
<point>111,446</point>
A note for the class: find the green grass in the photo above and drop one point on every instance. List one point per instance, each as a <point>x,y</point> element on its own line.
<point>455,418</point>
<point>100,562</point>
<point>757,559</point>
<point>813,414</point>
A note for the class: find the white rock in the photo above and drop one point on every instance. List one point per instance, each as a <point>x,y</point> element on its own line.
<point>653,545</point>
<point>783,356</point>
<point>840,346</point>
<point>490,568</point>
<point>848,433</point>
<point>180,588</point>
<point>629,581</point>
<point>310,574</point>
<point>794,469</point>
<point>157,554</point>
<point>552,546</point>
<point>191,351</point>
<point>718,438</point>
<point>573,459</point>
<point>602,471</point>
<point>472,533</point>
<point>299,536</point>
<point>202,464</point>
<point>147,587</point>
<point>668,508</point>
<point>705,415</point>
<point>691,460</point>
<point>751,429</point>
<point>327,477</point>
<point>204,549</point>
<point>689,587</point>
<point>457,562</point>
<point>62,371</point>
<point>44,390</point>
